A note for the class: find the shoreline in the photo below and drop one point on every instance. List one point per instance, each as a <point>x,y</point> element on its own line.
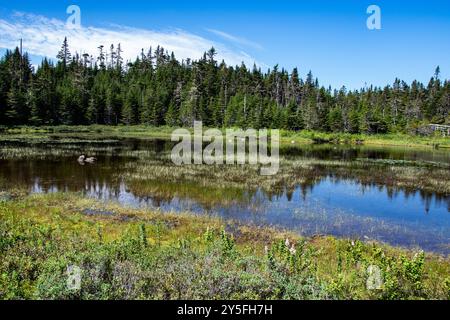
<point>286,137</point>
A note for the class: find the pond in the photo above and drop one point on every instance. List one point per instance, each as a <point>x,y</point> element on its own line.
<point>396,195</point>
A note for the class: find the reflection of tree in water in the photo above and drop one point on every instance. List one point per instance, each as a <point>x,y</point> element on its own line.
<point>353,152</point>
<point>104,179</point>
<point>60,175</point>
<point>315,176</point>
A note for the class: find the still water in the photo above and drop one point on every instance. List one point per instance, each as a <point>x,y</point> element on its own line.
<point>329,205</point>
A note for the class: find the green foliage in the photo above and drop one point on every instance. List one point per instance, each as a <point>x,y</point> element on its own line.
<point>227,243</point>
<point>447,286</point>
<point>143,235</point>
<point>208,236</point>
<point>154,260</point>
<point>402,276</point>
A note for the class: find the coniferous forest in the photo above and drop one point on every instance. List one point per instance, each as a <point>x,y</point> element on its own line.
<point>157,89</point>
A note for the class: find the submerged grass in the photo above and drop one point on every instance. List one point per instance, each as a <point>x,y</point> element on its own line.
<point>409,176</point>
<point>135,254</point>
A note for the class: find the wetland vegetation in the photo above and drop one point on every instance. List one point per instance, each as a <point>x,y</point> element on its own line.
<point>219,231</point>
<point>141,254</point>
<point>164,132</point>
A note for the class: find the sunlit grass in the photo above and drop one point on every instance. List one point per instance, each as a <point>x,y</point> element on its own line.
<point>287,137</point>
<point>392,139</point>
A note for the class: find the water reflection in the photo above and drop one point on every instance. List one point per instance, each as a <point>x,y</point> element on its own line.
<point>327,204</point>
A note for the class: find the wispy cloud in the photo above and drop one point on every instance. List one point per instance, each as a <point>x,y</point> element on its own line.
<point>43,36</point>
<point>235,39</point>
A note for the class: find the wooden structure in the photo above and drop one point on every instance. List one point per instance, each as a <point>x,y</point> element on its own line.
<point>442,128</point>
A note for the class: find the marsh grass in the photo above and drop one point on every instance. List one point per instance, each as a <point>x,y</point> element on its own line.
<point>207,197</point>
<point>393,139</point>
<point>409,176</point>
<point>287,137</point>
<point>136,254</point>
<point>50,151</point>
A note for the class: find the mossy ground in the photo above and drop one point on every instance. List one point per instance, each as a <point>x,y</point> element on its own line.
<point>139,254</point>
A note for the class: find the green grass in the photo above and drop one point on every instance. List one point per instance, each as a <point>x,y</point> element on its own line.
<point>397,139</point>
<point>287,137</point>
<point>135,254</point>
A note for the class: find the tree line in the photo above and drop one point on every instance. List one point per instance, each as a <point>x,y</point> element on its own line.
<point>157,89</point>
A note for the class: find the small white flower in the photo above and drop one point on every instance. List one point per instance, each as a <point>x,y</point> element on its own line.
<point>287,243</point>
<point>417,254</point>
<point>292,250</point>
<point>266,250</point>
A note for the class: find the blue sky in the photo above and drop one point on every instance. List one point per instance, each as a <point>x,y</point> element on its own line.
<point>328,37</point>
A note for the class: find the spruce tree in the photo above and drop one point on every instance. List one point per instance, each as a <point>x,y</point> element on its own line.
<point>64,55</point>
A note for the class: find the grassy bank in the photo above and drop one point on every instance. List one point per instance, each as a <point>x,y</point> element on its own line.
<point>287,137</point>
<point>131,254</point>
<point>397,139</point>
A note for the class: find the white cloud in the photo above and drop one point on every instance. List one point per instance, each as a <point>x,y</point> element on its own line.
<point>43,36</point>
<point>235,39</point>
